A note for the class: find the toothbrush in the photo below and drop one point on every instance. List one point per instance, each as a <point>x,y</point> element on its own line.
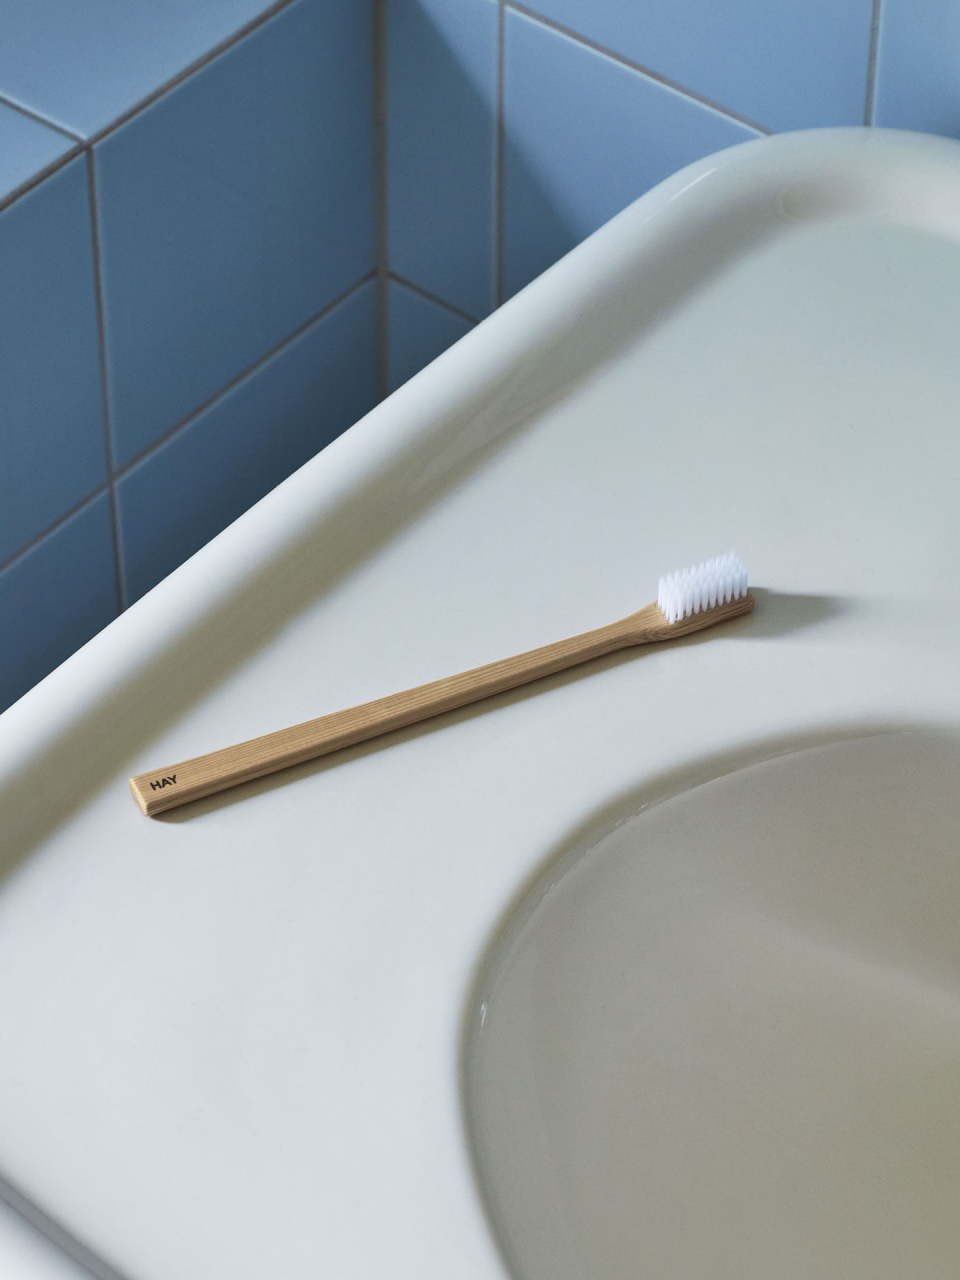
<point>687,601</point>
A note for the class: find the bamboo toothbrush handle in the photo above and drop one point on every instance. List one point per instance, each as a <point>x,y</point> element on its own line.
<point>203,775</point>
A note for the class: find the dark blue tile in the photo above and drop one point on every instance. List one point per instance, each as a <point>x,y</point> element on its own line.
<point>52,452</point>
<point>794,64</point>
<point>918,67</point>
<point>585,136</point>
<point>233,210</point>
<point>418,331</point>
<point>82,65</point>
<point>203,477</point>
<point>56,596</point>
<point>441,147</point>
<point>26,147</point>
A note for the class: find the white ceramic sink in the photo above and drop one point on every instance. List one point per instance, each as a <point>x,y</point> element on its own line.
<point>721,1037</point>
<point>235,1038</point>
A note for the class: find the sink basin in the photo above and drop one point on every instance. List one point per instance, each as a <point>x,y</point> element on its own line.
<point>721,1038</point>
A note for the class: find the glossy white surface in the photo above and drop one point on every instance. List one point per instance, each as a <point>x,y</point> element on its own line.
<point>25,1254</point>
<point>724,1040</point>
<point>232,1035</point>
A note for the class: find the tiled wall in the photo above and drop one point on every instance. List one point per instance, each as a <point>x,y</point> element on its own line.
<point>515,130</point>
<point>187,262</point>
<point>225,230</point>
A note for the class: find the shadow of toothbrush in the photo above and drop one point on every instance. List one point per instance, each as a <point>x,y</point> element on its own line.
<point>778,613</point>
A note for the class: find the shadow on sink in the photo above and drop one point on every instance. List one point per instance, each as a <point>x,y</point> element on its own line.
<point>719,1037</point>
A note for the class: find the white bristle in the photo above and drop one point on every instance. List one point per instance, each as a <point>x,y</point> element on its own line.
<point>703,586</point>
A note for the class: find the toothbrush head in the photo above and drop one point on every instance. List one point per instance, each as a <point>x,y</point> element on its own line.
<point>701,587</point>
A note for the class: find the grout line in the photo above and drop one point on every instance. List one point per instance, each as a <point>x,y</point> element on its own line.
<point>104,387</point>
<point>52,528</point>
<point>38,118</point>
<point>108,486</point>
<point>153,96</point>
<point>635,66</point>
<point>190,70</point>
<point>242,377</point>
<point>432,297</point>
<point>872,63</point>
<point>498,191</point>
<point>117,528</point>
<point>41,175</point>
<point>380,195</point>
<point>119,472</point>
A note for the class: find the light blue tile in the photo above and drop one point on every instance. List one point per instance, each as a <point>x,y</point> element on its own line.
<point>203,477</point>
<point>918,67</point>
<point>793,64</point>
<point>585,136</point>
<point>52,451</point>
<point>26,147</point>
<point>418,331</point>
<point>441,147</point>
<point>234,209</point>
<point>54,597</point>
<point>81,65</point>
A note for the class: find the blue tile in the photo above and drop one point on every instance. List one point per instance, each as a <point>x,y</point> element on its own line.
<point>56,596</point>
<point>26,147</point>
<point>794,64</point>
<point>208,473</point>
<point>585,136</point>
<point>441,147</point>
<point>52,452</point>
<point>918,67</point>
<point>418,331</point>
<point>83,65</point>
<point>233,210</point>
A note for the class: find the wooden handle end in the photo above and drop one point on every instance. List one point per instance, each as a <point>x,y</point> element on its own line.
<point>155,792</point>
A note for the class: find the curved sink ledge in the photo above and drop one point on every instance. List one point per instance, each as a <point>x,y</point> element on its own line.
<point>233,1035</point>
